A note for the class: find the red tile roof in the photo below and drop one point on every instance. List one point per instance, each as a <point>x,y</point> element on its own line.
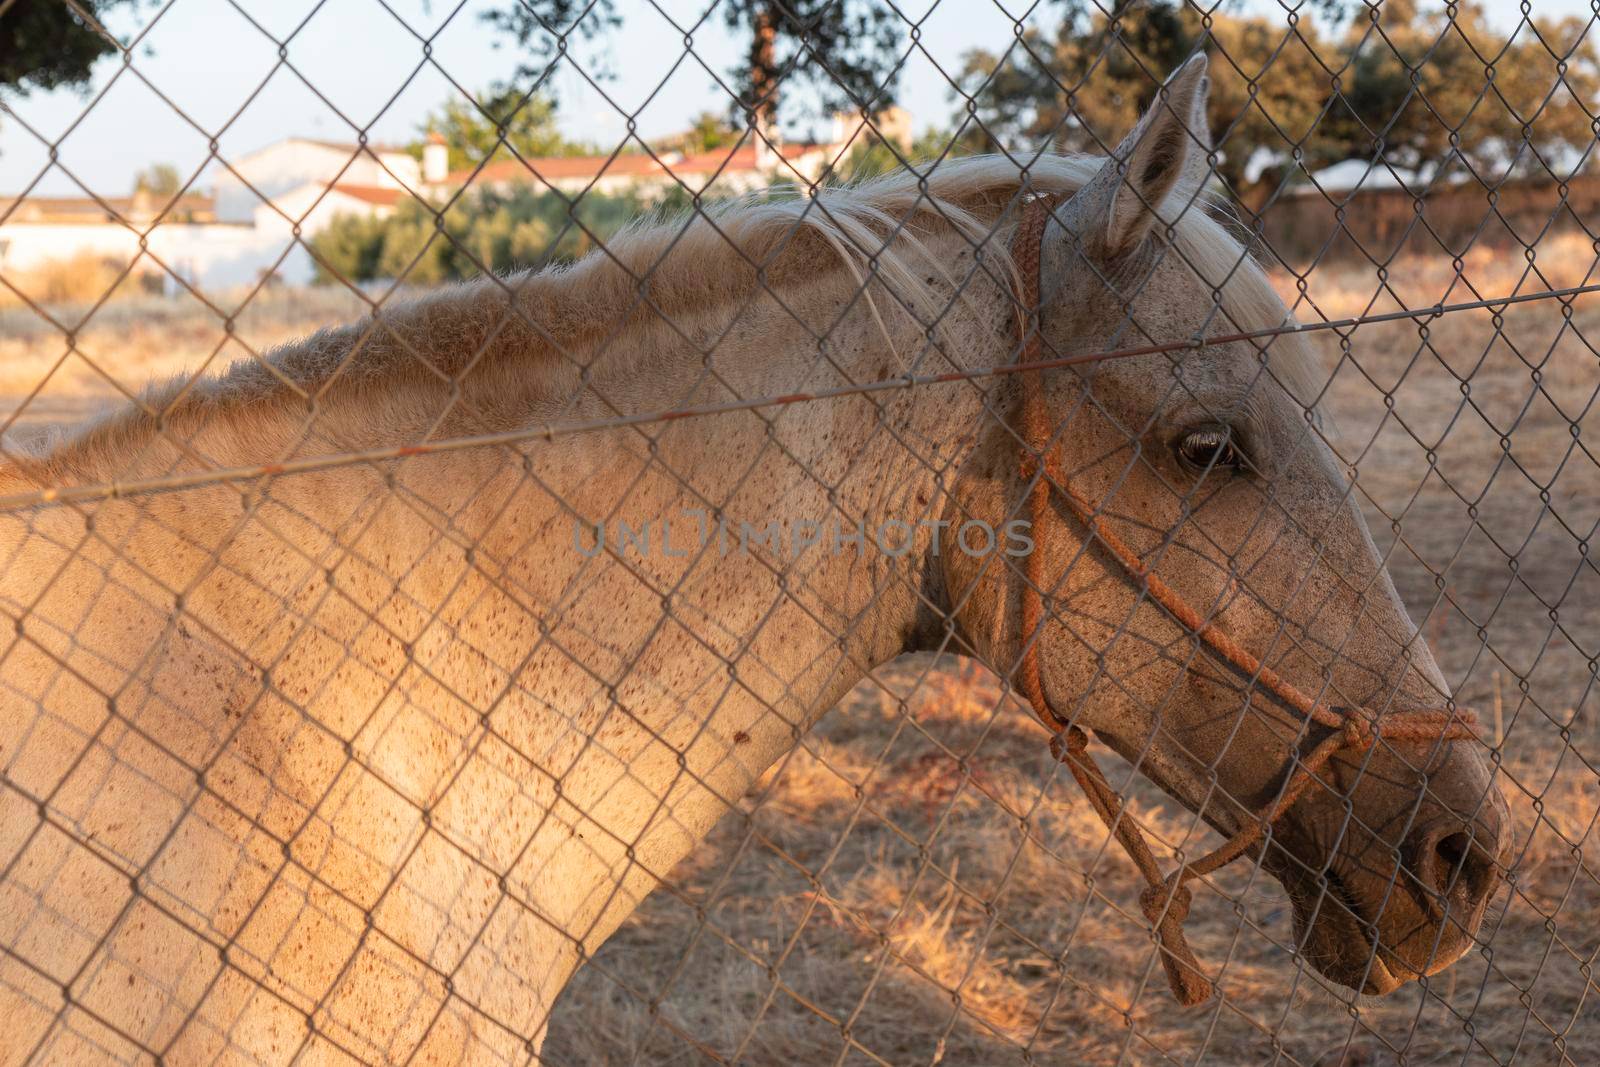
<point>381,195</point>
<point>85,209</point>
<point>344,146</point>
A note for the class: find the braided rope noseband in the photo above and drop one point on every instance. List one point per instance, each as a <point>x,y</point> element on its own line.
<point>1165,900</point>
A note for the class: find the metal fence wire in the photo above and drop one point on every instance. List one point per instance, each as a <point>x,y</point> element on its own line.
<point>641,658</point>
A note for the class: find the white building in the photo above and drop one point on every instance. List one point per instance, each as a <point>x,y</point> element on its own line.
<point>262,200</point>
<point>277,169</point>
<point>750,163</point>
<point>721,171</point>
<point>232,239</point>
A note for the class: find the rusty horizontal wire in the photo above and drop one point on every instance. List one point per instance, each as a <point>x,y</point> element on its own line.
<point>551,431</point>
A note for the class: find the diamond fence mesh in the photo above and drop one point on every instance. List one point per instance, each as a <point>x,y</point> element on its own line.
<point>565,666</point>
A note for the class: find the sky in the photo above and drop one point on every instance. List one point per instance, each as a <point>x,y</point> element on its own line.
<point>205,69</point>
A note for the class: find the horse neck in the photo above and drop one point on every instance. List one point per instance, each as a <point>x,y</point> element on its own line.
<point>670,678</point>
<point>573,725</point>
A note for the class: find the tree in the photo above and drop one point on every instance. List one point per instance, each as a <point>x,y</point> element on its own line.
<point>46,44</point>
<point>870,156</point>
<point>502,118</point>
<point>1422,92</point>
<point>160,180</point>
<point>843,49</point>
<point>1274,104</point>
<point>489,231</point>
<point>708,132</point>
<point>1102,71</point>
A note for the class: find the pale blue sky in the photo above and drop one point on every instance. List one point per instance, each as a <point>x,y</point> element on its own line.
<point>207,58</point>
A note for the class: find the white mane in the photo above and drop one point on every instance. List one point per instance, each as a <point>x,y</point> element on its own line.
<point>869,221</point>
<point>875,227</point>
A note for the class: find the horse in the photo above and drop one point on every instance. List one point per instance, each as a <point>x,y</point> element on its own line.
<point>326,736</point>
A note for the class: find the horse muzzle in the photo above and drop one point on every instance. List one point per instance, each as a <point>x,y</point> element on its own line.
<point>1405,886</point>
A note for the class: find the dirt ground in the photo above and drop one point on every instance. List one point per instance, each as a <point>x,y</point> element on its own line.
<point>878,903</point>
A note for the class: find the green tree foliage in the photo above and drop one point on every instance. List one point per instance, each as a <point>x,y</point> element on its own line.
<point>349,248</point>
<point>1495,104</point>
<point>489,231</point>
<point>845,50</point>
<point>708,132</point>
<point>46,44</point>
<point>479,131</point>
<point>870,156</point>
<point>160,180</point>
<point>1275,103</point>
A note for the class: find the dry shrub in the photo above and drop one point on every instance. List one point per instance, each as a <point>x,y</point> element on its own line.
<point>83,278</point>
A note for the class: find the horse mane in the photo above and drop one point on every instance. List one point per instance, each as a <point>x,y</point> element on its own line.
<point>664,269</point>
<point>656,269</point>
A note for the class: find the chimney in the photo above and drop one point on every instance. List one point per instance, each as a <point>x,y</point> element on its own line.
<point>141,205</point>
<point>845,124</point>
<point>435,159</point>
<point>895,126</point>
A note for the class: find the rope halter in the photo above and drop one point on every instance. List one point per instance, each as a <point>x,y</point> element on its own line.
<point>1166,899</point>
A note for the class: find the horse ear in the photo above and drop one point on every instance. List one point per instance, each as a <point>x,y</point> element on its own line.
<point>1167,150</point>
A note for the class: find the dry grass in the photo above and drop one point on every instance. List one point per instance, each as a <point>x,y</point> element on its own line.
<point>118,348</point>
<point>1563,259</point>
<point>84,278</point>
<point>919,919</point>
<point>919,883</point>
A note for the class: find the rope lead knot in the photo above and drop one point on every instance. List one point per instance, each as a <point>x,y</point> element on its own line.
<point>1359,732</point>
<point>1166,906</point>
<point>1070,741</point>
<point>1169,900</point>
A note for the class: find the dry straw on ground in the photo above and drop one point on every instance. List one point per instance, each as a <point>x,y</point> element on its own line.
<point>920,877</point>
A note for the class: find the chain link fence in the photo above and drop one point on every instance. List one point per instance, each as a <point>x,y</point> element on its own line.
<point>564,665</point>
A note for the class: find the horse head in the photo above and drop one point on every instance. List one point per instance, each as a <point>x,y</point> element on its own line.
<point>1206,596</point>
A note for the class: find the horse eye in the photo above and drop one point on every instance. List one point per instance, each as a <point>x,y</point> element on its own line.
<point>1210,449</point>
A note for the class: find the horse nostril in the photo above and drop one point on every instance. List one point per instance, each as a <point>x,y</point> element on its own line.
<point>1453,849</point>
<point>1457,867</point>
